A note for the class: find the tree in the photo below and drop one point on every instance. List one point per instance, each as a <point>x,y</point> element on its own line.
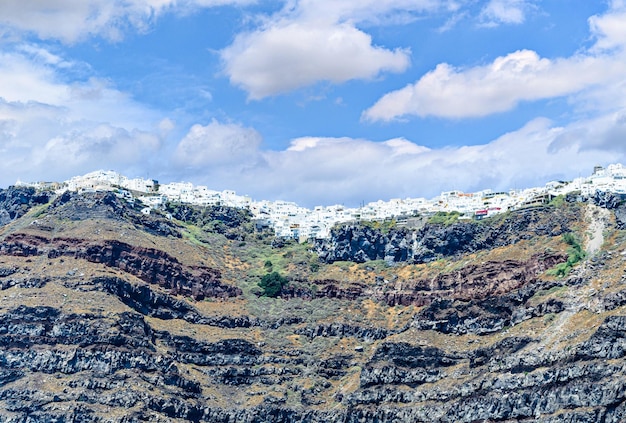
<point>272,284</point>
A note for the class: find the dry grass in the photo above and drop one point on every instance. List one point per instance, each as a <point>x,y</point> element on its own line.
<point>240,263</point>
<point>204,333</point>
<point>221,306</point>
<point>65,299</point>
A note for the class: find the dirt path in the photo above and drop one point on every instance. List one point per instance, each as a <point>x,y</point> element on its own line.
<point>598,218</point>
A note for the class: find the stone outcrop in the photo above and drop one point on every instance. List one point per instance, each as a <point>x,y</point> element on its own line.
<point>147,301</point>
<point>151,265</point>
<point>582,385</point>
<point>228,221</point>
<point>108,206</point>
<point>120,361</point>
<point>483,316</point>
<point>607,200</point>
<point>472,282</point>
<point>343,330</point>
<point>361,243</point>
<point>16,201</point>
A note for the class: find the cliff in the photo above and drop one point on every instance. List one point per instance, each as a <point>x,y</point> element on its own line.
<point>107,315</point>
<point>433,241</point>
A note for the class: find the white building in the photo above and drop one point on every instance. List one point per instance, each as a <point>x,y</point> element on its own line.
<point>287,219</point>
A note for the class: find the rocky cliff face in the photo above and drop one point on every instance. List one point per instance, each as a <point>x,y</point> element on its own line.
<point>108,316</point>
<point>148,264</point>
<point>361,243</point>
<point>16,201</point>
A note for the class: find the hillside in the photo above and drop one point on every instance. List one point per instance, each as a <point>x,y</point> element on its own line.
<point>111,315</point>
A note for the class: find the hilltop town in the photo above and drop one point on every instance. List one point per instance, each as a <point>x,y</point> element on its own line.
<point>289,220</point>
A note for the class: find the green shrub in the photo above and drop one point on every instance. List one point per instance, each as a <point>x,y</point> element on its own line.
<point>557,201</point>
<point>575,254</point>
<point>272,284</point>
<point>444,218</point>
<point>384,226</point>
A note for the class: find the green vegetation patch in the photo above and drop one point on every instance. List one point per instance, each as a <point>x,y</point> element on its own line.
<point>575,254</point>
<point>231,222</point>
<point>291,257</point>
<point>445,218</point>
<point>384,226</point>
<point>557,201</point>
<point>272,284</point>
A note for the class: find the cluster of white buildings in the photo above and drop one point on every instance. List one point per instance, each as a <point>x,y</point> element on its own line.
<point>289,220</point>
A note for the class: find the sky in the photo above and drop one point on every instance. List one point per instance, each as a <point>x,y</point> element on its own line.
<point>315,101</point>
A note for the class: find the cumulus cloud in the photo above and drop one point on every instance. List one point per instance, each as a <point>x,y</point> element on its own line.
<point>57,129</point>
<point>497,87</point>
<point>100,146</point>
<point>38,140</point>
<point>217,144</point>
<point>320,40</point>
<point>73,20</point>
<point>322,171</point>
<point>498,12</point>
<point>353,170</point>
<point>27,78</point>
<point>293,55</point>
<point>609,29</point>
<point>606,133</point>
<point>47,123</point>
<point>500,86</point>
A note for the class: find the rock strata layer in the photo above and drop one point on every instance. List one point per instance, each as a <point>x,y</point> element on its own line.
<point>163,320</point>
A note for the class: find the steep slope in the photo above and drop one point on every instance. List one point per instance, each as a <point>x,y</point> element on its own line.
<point>110,315</point>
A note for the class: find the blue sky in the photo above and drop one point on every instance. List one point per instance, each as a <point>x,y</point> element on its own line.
<point>313,101</point>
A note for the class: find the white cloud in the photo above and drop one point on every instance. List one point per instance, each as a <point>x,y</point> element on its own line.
<point>452,21</point>
<point>350,170</point>
<point>100,146</point>
<point>609,29</point>
<point>320,40</point>
<point>32,74</point>
<point>368,11</point>
<point>496,87</point>
<point>520,76</point>
<point>285,57</point>
<point>39,141</point>
<point>217,144</point>
<point>498,12</point>
<point>26,80</point>
<point>55,129</point>
<point>606,133</point>
<point>73,20</point>
<point>317,170</point>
